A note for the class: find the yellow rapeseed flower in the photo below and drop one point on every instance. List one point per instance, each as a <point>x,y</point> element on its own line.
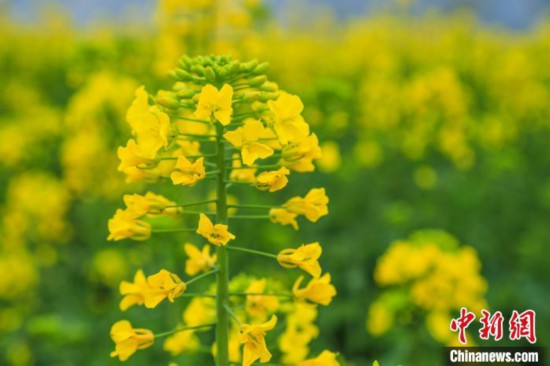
<point>241,175</point>
<point>284,217</point>
<point>299,155</point>
<point>272,181</point>
<point>132,158</point>
<point>253,338</point>
<point>305,257</point>
<point>126,225</point>
<point>150,203</point>
<point>133,292</point>
<point>257,306</point>
<point>247,138</point>
<point>215,234</point>
<point>150,125</point>
<point>313,206</point>
<point>326,358</point>
<point>215,103</point>
<point>197,260</point>
<point>187,173</point>
<point>182,342</point>
<point>288,122</point>
<point>161,286</point>
<point>128,340</point>
<point>318,290</point>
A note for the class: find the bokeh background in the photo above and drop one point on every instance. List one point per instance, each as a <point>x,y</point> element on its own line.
<point>434,118</point>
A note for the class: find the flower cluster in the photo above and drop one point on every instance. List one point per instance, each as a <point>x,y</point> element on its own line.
<point>429,271</point>
<point>225,124</point>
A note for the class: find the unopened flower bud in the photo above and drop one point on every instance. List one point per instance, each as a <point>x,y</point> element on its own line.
<point>257,81</point>
<point>264,97</point>
<point>261,68</point>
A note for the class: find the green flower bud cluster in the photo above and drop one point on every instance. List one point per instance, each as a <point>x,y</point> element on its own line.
<point>248,80</point>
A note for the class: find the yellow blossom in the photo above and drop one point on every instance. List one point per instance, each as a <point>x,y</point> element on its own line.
<point>258,306</point>
<point>182,342</point>
<point>305,257</point>
<point>150,125</point>
<point>318,290</point>
<point>201,310</point>
<point>313,206</point>
<point>215,103</point>
<point>133,292</point>
<point>161,286</point>
<point>248,139</point>
<point>284,217</point>
<point>215,234</point>
<point>187,173</point>
<point>197,260</point>
<point>299,332</point>
<point>288,122</point>
<point>128,340</point>
<point>132,157</point>
<point>150,203</point>
<point>253,338</point>
<point>241,175</point>
<point>326,358</point>
<point>125,225</point>
<point>272,181</point>
<point>299,155</point>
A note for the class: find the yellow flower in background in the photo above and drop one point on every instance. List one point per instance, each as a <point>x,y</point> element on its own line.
<point>161,286</point>
<point>187,173</point>
<point>284,217</point>
<point>214,103</point>
<point>299,155</point>
<point>128,340</point>
<point>253,338</point>
<point>217,235</point>
<point>185,341</point>
<point>318,290</point>
<point>241,175</point>
<point>305,257</point>
<point>150,125</point>
<point>313,206</point>
<point>330,159</point>
<point>150,203</point>
<point>201,310</point>
<point>288,122</point>
<point>133,292</point>
<point>326,358</point>
<point>272,181</point>
<point>258,306</point>
<point>198,260</point>
<point>125,225</point>
<point>247,138</point>
<point>300,331</point>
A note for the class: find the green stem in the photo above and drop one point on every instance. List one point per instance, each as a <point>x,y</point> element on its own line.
<point>272,166</point>
<point>175,230</point>
<point>191,204</point>
<point>249,217</point>
<point>170,332</point>
<point>196,278</point>
<point>252,251</point>
<point>222,298</point>
<point>232,314</point>
<point>252,206</point>
<point>193,120</point>
<point>190,294</point>
<point>237,182</point>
